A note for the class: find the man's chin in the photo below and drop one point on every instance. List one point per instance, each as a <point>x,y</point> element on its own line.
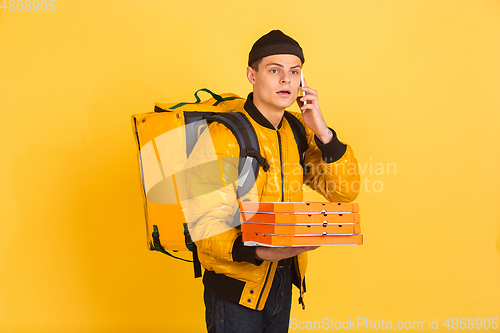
<point>280,103</point>
<point>287,102</point>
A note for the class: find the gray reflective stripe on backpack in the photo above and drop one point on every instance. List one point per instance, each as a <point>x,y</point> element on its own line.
<point>244,183</point>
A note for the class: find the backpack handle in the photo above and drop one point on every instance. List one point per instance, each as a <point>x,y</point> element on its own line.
<point>218,98</point>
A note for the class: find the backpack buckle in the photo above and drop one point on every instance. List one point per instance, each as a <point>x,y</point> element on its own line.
<point>254,153</point>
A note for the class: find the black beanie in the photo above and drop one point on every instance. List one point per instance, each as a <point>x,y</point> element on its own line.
<point>272,43</point>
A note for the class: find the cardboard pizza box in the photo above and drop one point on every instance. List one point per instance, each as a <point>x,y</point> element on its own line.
<point>291,229</point>
<point>254,239</point>
<point>300,218</point>
<point>299,207</point>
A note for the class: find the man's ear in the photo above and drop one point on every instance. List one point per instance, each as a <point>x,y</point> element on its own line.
<point>251,75</point>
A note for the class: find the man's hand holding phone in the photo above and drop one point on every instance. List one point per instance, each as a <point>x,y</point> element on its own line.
<point>311,113</point>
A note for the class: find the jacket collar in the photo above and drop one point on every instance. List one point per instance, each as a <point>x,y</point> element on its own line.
<point>256,115</point>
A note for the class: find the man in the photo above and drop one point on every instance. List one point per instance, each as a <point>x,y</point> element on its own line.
<point>248,289</point>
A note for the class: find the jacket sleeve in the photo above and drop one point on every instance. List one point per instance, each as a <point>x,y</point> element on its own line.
<point>212,173</point>
<point>331,169</point>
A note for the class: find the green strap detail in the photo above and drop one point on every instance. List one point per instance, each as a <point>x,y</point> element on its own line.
<point>226,99</point>
<point>168,254</point>
<point>157,246</point>
<point>218,99</point>
<point>187,237</point>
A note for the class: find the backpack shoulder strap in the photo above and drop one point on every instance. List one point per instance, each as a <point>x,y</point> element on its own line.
<point>299,132</point>
<point>250,157</point>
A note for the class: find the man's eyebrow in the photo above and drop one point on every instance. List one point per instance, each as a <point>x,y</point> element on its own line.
<point>280,65</point>
<point>275,64</point>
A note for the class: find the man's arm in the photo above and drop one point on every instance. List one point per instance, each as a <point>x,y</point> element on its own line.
<point>332,167</point>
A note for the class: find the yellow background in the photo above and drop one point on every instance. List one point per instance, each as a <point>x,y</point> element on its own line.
<point>414,83</point>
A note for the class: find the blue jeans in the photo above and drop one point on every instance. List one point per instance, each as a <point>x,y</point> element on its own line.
<point>226,317</point>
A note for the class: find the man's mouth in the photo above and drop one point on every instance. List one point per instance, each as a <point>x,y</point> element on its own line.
<point>286,92</point>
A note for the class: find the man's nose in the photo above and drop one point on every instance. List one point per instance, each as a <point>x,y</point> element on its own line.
<point>285,78</point>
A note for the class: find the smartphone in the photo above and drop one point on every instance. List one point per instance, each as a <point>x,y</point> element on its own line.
<point>302,93</point>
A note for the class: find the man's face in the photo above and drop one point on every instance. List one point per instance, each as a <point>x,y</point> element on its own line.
<point>276,83</point>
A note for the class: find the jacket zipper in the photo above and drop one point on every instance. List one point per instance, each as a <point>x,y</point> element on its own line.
<point>281,165</point>
<point>302,290</point>
<point>264,286</point>
<point>282,200</point>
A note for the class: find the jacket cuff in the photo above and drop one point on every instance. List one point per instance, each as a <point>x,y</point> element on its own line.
<point>333,150</point>
<point>244,253</point>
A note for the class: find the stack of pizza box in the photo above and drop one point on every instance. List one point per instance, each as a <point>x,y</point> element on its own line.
<point>300,223</point>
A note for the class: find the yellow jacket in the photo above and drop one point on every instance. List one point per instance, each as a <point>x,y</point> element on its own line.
<point>231,270</point>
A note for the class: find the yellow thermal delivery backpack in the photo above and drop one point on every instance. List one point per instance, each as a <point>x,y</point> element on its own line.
<point>165,139</point>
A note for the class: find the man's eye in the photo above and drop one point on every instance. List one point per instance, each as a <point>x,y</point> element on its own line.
<point>274,71</point>
<point>295,72</point>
